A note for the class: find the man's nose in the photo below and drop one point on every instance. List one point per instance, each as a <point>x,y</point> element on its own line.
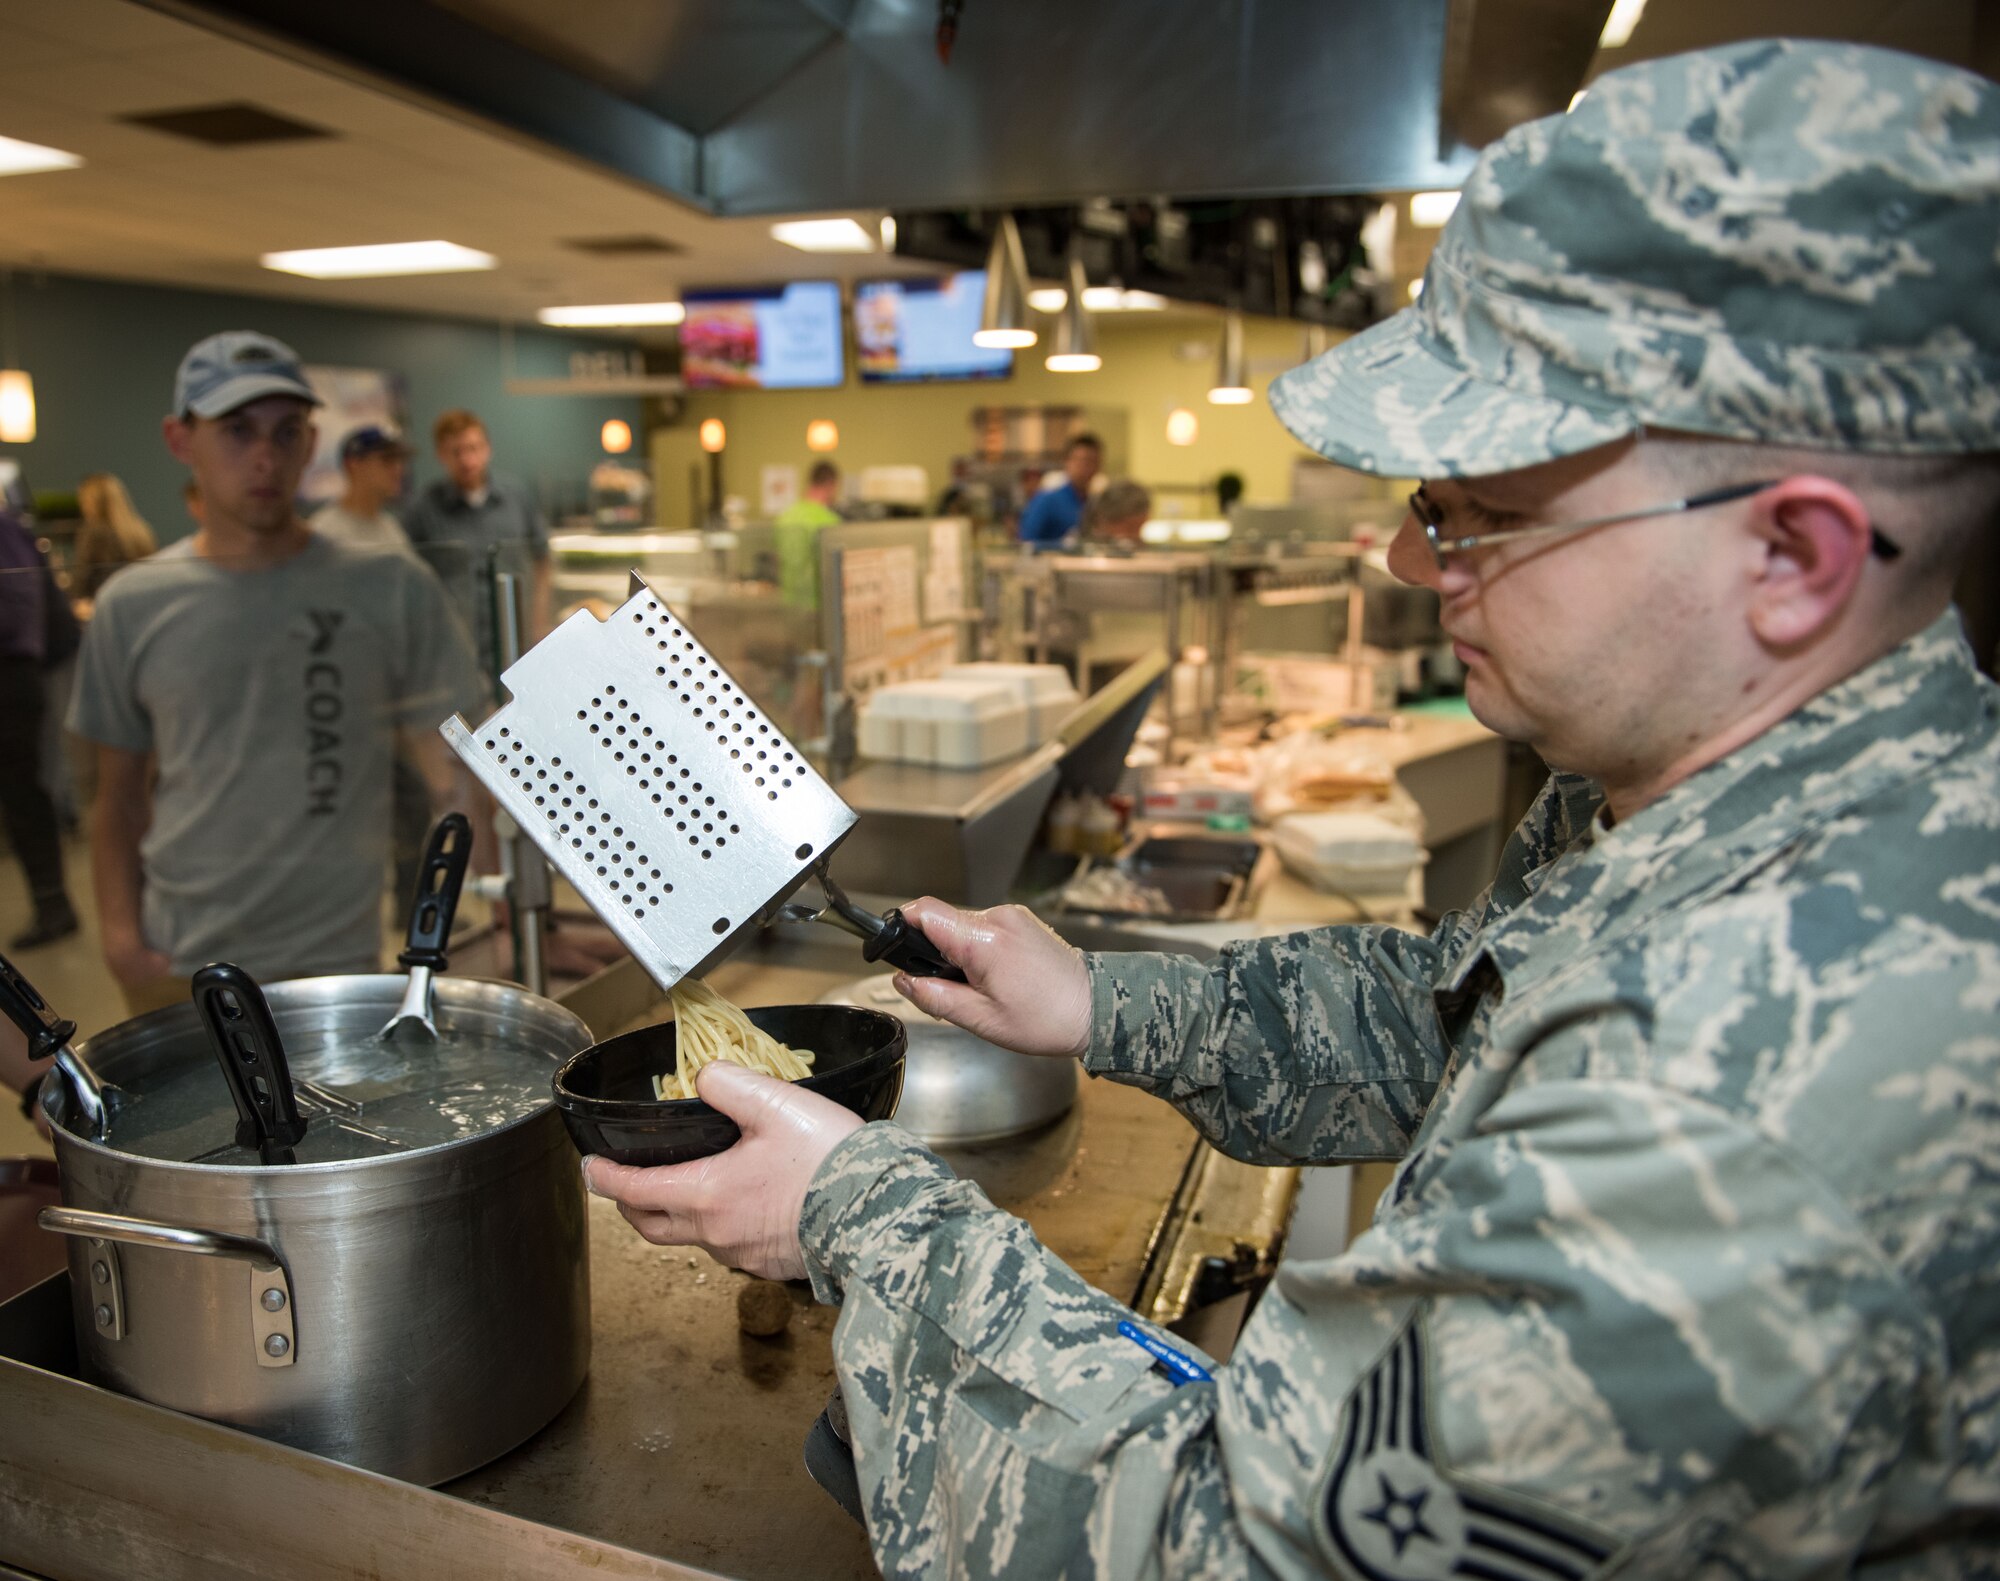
<point>1410,557</point>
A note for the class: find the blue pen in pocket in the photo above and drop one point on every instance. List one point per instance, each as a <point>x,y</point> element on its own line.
<point>1179,1366</point>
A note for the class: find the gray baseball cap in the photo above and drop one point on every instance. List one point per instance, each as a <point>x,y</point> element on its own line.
<point>1783,242</point>
<point>235,368</point>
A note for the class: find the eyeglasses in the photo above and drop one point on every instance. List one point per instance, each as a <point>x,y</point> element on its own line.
<point>1427,511</point>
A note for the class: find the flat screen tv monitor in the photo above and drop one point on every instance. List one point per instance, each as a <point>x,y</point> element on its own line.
<point>781,337</point>
<point>922,329</point>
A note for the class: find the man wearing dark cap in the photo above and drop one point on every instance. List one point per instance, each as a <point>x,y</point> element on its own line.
<point>374,461</point>
<point>244,687</point>
<point>1692,1263</point>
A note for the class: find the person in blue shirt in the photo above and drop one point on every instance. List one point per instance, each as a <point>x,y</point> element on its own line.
<point>1055,514</point>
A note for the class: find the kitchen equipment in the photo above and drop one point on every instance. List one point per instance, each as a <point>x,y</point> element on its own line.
<point>606,1097</point>
<point>959,1089</point>
<point>252,1056</point>
<point>49,1033</point>
<point>890,937</point>
<point>652,783</point>
<point>431,913</point>
<point>411,1296</point>
<point>1196,877</point>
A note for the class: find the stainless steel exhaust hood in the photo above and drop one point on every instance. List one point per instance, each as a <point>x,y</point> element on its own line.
<point>783,106</point>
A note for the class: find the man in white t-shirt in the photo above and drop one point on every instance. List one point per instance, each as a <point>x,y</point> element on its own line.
<point>374,460</point>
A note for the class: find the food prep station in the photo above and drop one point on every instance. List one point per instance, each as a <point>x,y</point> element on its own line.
<point>681,1451</point>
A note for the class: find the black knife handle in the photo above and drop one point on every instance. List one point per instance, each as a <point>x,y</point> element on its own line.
<point>246,1043</point>
<point>436,900</point>
<point>47,1032</point>
<point>902,944</point>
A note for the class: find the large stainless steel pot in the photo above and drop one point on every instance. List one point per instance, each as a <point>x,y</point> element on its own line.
<point>416,1313</point>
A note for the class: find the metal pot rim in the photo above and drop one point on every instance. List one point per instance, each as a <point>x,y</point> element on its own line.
<point>383,989</point>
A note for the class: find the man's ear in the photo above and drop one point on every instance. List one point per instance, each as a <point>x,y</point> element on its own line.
<point>1815,535</point>
<point>179,435</point>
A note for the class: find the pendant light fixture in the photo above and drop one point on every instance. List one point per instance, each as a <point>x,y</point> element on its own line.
<point>1232,383</point>
<point>1003,315</point>
<point>17,389</point>
<point>1315,343</point>
<point>1075,349</point>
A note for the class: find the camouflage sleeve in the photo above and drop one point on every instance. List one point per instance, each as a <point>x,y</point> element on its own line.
<point>1318,1047</point>
<point>1002,1427</point>
<point>1616,1332</point>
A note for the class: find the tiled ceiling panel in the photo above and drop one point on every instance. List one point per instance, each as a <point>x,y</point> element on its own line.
<point>146,206</point>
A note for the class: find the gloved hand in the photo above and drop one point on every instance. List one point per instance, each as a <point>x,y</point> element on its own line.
<point>741,1206</point>
<point>1025,989</point>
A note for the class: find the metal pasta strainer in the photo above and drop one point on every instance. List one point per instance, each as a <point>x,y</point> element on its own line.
<point>653,784</point>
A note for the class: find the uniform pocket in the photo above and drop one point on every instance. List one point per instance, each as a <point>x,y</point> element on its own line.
<point>1016,1518</point>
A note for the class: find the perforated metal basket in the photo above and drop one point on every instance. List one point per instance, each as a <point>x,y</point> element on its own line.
<point>652,783</point>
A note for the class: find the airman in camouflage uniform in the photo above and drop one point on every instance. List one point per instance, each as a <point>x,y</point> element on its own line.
<point>1692,1263</point>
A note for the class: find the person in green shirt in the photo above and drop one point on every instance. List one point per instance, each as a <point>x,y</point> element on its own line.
<point>798,527</point>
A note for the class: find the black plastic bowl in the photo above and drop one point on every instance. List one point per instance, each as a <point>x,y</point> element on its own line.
<point>606,1092</point>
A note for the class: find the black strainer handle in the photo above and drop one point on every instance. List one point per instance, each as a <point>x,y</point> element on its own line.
<point>436,900</point>
<point>902,944</point>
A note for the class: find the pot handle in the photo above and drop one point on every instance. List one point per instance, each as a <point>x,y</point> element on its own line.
<point>166,1237</point>
<point>270,1287</point>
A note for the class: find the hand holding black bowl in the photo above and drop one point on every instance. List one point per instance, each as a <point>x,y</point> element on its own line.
<point>742,1206</point>
<point>606,1092</point>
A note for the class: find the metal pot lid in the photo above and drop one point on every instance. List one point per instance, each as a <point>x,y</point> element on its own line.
<point>362,1097</point>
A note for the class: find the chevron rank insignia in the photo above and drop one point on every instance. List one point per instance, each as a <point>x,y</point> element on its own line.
<point>1391,1513</point>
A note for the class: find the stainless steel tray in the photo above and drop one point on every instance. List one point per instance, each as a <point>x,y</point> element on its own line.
<point>651,782</point>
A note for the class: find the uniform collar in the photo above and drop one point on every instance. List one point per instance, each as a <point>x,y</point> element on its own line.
<point>454,497</point>
<point>1881,726</point>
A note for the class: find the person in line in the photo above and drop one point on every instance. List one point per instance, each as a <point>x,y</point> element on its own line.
<point>112,534</point>
<point>27,593</point>
<point>1691,1266</point>
<point>1113,520</point>
<point>374,461</point>
<point>471,522</point>
<point>799,525</point>
<point>243,696</point>
<point>1053,516</point>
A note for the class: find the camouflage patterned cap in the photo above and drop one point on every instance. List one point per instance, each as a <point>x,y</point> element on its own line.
<point>1786,242</point>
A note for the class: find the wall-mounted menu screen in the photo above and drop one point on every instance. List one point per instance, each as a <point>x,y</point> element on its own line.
<point>922,329</point>
<point>781,337</point>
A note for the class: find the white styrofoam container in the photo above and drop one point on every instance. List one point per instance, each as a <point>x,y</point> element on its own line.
<point>1046,689</point>
<point>958,724</point>
<point>1348,851</point>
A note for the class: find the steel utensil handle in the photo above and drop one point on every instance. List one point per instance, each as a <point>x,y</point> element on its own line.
<point>48,1035</point>
<point>47,1032</point>
<point>163,1237</point>
<point>902,944</point>
<point>436,900</point>
<point>246,1043</point>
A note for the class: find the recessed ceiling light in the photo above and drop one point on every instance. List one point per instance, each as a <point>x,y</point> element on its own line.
<point>824,236</point>
<point>1429,210</point>
<point>25,159</point>
<point>603,314</point>
<point>388,258</point>
<point>1618,25</point>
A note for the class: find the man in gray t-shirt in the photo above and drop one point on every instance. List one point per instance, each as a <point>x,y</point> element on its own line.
<point>244,688</point>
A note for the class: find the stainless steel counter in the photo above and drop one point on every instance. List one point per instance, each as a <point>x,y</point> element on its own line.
<point>683,1447</point>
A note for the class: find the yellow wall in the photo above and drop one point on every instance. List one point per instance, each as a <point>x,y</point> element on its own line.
<point>929,424</point>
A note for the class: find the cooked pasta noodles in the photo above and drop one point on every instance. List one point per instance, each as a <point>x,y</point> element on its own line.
<point>708,1028</point>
